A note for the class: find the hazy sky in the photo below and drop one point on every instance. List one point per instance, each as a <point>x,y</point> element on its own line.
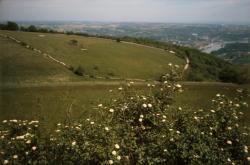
<point>194,11</point>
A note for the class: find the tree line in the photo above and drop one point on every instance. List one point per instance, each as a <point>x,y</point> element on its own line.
<point>13,26</point>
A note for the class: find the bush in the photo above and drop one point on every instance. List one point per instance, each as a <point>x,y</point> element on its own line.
<point>12,26</point>
<point>136,129</point>
<point>79,71</point>
<point>73,42</point>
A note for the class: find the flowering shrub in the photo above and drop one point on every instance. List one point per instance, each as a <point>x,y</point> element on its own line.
<point>136,129</point>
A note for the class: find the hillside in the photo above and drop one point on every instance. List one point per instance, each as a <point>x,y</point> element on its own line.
<point>98,58</point>
<point>238,53</point>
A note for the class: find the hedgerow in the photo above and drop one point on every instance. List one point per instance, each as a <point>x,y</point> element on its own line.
<point>136,129</point>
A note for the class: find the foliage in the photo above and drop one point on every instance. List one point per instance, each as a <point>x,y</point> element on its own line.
<point>9,26</point>
<point>32,28</point>
<point>73,42</point>
<point>136,129</point>
<point>80,71</point>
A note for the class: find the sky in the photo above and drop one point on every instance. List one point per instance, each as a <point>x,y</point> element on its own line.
<point>173,11</point>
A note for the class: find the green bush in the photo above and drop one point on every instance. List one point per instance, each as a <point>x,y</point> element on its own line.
<point>80,71</point>
<point>136,129</point>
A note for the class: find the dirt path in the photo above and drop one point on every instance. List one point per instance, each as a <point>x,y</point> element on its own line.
<point>27,46</point>
<point>69,67</point>
<point>172,52</point>
<point>187,64</point>
<point>101,83</point>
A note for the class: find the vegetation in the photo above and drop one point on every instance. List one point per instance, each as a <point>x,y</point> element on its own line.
<point>235,52</point>
<point>123,60</point>
<point>136,129</point>
<point>9,26</point>
<point>204,67</point>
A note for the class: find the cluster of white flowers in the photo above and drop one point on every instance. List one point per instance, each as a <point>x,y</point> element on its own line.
<point>114,153</point>
<point>144,105</point>
<point>229,142</point>
<point>73,143</point>
<point>245,149</point>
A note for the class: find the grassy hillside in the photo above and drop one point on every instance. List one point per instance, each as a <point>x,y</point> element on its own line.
<point>97,57</point>
<point>203,66</point>
<point>19,64</point>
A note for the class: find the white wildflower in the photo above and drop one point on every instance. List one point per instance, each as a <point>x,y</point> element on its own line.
<point>92,122</point>
<point>118,157</point>
<point>100,105</point>
<point>114,152</point>
<point>120,88</point>
<point>229,128</point>
<point>248,158</point>
<point>169,64</point>
<point>111,110</point>
<point>218,95</point>
<point>237,105</point>
<point>5,162</point>
<point>164,116</point>
<point>34,148</point>
<point>178,85</point>
<point>178,132</point>
<point>149,105</point>
<point>28,141</point>
<point>73,143</point>
<point>5,121</point>
<point>15,156</point>
<point>144,105</point>
<point>140,119</point>
<point>117,146</point>
<point>111,162</point>
<point>106,128</point>
<point>213,111</point>
<point>229,142</point>
<point>141,116</point>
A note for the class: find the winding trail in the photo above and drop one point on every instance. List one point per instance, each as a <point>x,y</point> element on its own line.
<point>27,46</point>
<point>47,55</point>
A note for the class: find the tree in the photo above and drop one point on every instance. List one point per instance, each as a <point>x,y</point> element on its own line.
<point>32,28</point>
<point>12,26</point>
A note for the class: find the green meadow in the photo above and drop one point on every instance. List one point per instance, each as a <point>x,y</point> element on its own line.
<point>98,57</point>
<point>35,87</point>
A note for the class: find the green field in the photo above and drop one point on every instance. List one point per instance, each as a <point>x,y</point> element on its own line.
<point>51,104</point>
<point>102,57</point>
<point>34,87</point>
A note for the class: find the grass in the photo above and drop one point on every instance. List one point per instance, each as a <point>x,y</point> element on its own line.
<point>20,65</point>
<point>53,91</point>
<point>51,104</point>
<point>102,58</point>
